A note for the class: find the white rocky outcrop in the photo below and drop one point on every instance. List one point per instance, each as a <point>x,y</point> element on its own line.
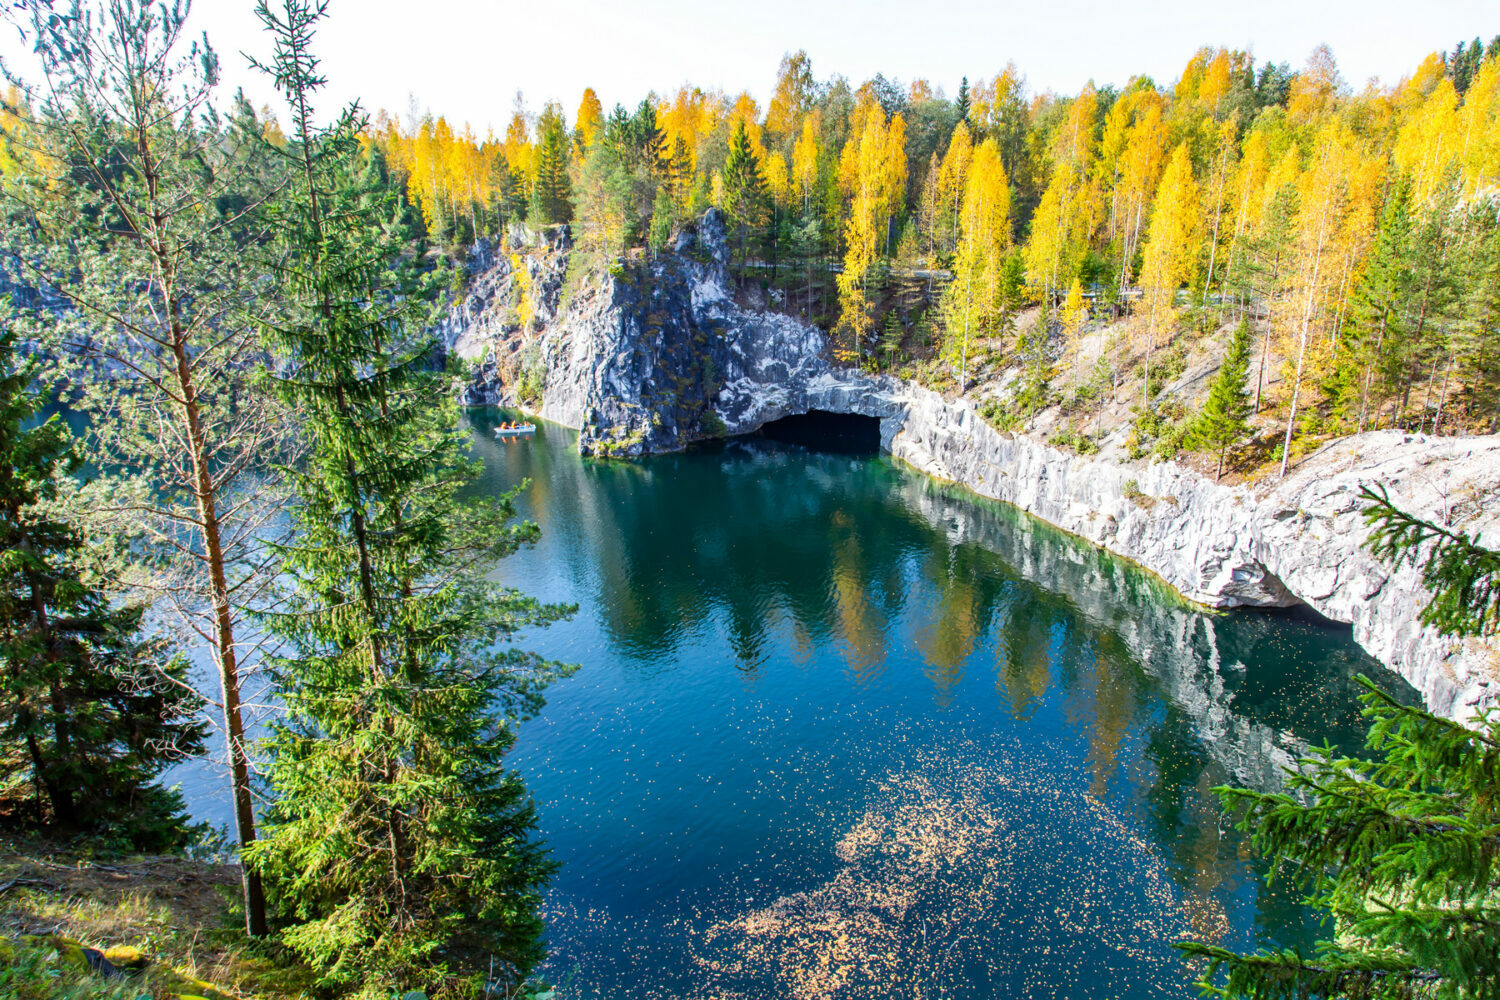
<point>1298,541</point>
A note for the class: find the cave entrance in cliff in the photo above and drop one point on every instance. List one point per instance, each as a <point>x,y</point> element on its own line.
<point>849,433</point>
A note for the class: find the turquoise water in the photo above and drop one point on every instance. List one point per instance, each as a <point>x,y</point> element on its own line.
<point>842,732</point>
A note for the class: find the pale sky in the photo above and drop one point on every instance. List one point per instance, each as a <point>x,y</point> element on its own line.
<point>467,58</point>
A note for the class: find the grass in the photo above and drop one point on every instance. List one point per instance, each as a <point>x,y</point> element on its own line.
<point>28,973</point>
<point>181,916</point>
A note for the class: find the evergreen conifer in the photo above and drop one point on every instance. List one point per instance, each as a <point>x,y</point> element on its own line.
<point>401,852</point>
<point>552,193</point>
<point>1225,419</point>
<point>91,712</point>
<point>744,190</point>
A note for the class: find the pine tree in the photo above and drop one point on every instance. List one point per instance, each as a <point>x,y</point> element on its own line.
<point>137,210</point>
<point>1398,848</point>
<point>401,852</point>
<point>962,104</point>
<point>1224,420</point>
<point>90,711</point>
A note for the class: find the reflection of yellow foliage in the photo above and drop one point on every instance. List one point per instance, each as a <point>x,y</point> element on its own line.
<point>949,638</point>
<point>1114,703</point>
<point>860,623</point>
<point>1023,681</point>
<point>1204,912</point>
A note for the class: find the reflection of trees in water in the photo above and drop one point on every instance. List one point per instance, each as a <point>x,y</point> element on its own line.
<point>769,541</point>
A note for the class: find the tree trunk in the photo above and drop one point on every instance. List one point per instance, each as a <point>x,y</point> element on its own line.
<point>1307,310</point>
<point>225,655</point>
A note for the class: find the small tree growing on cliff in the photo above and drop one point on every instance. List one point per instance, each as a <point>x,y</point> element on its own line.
<point>1225,419</point>
<point>1401,850</point>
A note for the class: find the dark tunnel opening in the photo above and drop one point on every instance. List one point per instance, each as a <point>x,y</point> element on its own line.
<point>850,433</point>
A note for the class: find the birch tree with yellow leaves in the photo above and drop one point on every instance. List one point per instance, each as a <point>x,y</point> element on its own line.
<point>973,304</point>
<point>877,178</point>
<point>1323,192</point>
<point>1171,256</point>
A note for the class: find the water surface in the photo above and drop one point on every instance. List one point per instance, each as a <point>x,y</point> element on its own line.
<point>840,731</point>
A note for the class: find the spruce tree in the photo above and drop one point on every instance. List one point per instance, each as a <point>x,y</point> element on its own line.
<point>962,104</point>
<point>400,851</point>
<point>648,141</point>
<point>744,190</point>
<point>91,711</point>
<point>1377,310</point>
<point>1225,418</point>
<point>552,193</point>
<point>1400,849</point>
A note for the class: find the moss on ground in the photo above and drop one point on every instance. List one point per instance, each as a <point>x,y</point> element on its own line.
<point>171,926</point>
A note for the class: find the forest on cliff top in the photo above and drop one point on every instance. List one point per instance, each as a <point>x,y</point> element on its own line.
<point>1354,227</point>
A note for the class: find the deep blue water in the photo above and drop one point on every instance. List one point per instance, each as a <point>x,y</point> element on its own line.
<point>840,731</point>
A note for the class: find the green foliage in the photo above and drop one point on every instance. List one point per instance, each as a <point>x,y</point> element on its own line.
<point>663,215</point>
<point>90,711</point>
<point>1034,349</point>
<point>1162,431</point>
<point>745,199</point>
<point>140,206</point>
<point>400,850</point>
<point>32,972</point>
<point>1378,305</point>
<point>1479,328</point>
<point>1002,416</point>
<point>892,334</point>
<point>1132,491</point>
<point>1079,441</point>
<point>1166,366</point>
<point>1400,849</point>
<point>551,194</point>
<point>712,424</point>
<point>1224,420</point>
<point>1464,577</point>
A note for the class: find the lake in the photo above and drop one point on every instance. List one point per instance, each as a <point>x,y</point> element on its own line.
<point>842,731</point>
